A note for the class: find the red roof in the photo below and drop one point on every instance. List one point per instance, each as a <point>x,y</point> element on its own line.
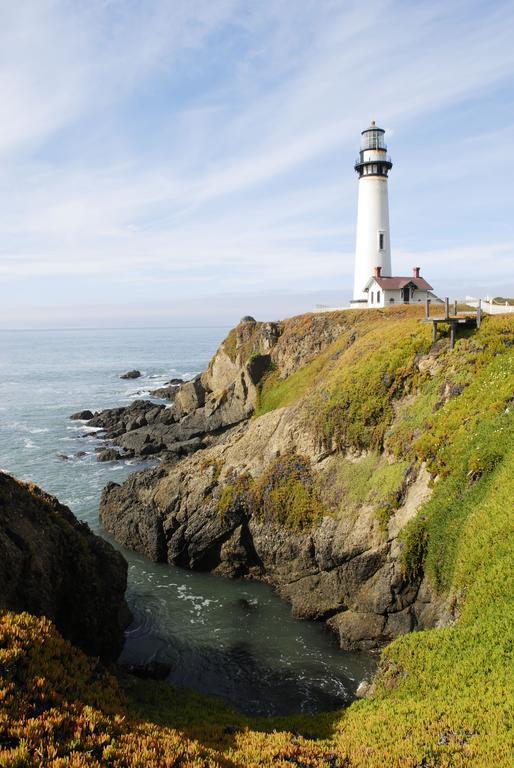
<point>393,283</point>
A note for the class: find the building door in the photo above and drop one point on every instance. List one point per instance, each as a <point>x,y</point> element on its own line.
<point>406,294</point>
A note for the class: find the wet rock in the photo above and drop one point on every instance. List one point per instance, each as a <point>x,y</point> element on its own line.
<point>82,415</point>
<point>117,421</point>
<point>134,374</point>
<point>169,390</point>
<point>108,454</point>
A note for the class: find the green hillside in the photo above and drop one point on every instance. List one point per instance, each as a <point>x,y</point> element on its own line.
<point>443,697</point>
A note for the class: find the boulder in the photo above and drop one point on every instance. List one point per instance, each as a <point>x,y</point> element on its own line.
<point>82,415</point>
<point>108,454</point>
<point>190,396</point>
<point>134,374</point>
<point>167,392</point>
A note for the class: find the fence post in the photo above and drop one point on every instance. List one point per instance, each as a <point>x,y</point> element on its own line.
<point>452,335</point>
<point>455,307</point>
<point>427,308</point>
<point>479,312</point>
<point>446,308</point>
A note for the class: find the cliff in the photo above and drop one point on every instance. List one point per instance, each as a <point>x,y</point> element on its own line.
<point>311,468</point>
<point>442,697</point>
<point>53,565</point>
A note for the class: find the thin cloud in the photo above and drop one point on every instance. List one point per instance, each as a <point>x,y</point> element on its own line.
<point>202,145</point>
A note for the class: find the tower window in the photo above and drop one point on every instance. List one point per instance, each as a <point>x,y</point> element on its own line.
<point>380,241</point>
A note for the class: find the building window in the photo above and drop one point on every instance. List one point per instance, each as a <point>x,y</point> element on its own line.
<point>372,296</point>
<point>378,297</point>
<point>380,241</point>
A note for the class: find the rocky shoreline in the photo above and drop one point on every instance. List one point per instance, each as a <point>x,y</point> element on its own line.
<point>195,509</point>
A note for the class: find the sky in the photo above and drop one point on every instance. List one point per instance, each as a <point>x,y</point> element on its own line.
<point>191,161</point>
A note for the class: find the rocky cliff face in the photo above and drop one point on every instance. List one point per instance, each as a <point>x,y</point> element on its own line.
<point>53,565</point>
<point>225,395</point>
<point>259,501</point>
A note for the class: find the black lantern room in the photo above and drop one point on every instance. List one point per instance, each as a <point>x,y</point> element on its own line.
<point>373,159</point>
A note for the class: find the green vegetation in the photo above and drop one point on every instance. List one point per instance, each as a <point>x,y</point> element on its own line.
<point>350,388</point>
<point>235,495</point>
<point>444,697</point>
<point>386,489</point>
<point>370,479</point>
<point>285,494</point>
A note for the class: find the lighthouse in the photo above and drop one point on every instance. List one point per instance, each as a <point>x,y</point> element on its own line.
<point>373,245</point>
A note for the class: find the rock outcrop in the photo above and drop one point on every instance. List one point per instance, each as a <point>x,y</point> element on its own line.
<point>134,374</point>
<point>201,512</point>
<point>53,565</point>
<point>344,571</point>
<point>224,396</point>
<point>202,409</point>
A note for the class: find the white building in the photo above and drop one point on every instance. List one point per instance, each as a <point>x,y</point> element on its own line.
<point>373,247</point>
<point>383,291</point>
<point>374,284</point>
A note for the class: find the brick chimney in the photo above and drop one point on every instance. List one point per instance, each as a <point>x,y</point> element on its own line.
<point>415,271</point>
<point>378,270</point>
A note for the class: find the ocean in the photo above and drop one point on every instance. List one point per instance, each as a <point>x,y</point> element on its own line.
<point>233,639</point>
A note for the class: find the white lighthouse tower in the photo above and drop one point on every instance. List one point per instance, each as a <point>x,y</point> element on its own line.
<point>373,246</point>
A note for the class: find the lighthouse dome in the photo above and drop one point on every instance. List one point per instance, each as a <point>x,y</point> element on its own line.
<point>373,127</point>
<point>373,137</point>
